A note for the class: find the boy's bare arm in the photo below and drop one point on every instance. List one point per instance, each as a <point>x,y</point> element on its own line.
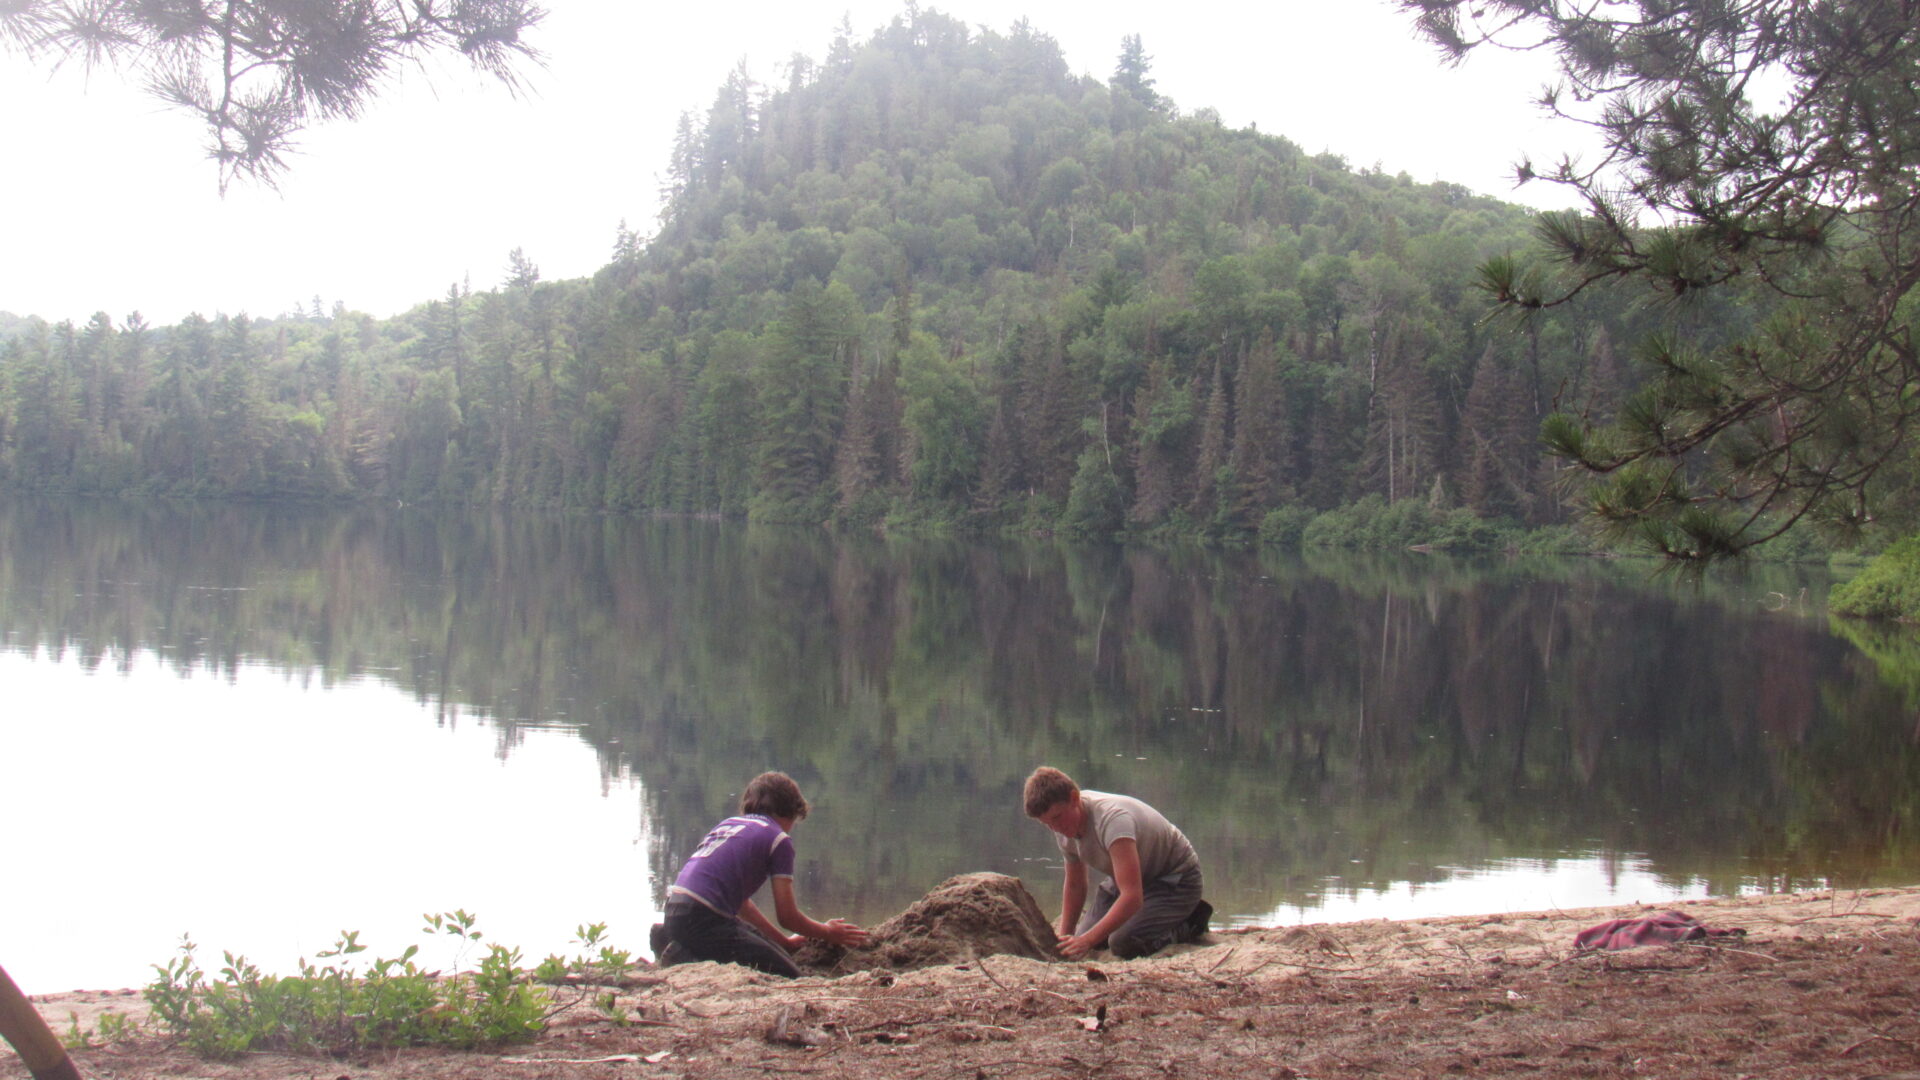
<point>1073,899</point>
<point>1126,878</point>
<point>837,931</point>
<point>752,913</point>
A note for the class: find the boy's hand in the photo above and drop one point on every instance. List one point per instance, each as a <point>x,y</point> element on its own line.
<point>794,942</point>
<point>1075,946</point>
<point>842,932</point>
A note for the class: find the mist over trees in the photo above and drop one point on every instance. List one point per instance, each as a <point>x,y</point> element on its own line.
<point>931,280</point>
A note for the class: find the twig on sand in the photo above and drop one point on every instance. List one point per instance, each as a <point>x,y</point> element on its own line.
<point>1725,948</point>
<point>981,963</point>
<point>983,1066</point>
<point>1870,1038</point>
<point>1090,1069</point>
<point>897,1022</point>
<point>618,982</point>
<point>1307,967</point>
<point>558,1009</point>
<point>1836,915</point>
<point>1224,959</point>
<point>608,1060</point>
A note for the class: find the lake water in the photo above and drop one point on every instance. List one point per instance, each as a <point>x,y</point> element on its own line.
<point>260,726</point>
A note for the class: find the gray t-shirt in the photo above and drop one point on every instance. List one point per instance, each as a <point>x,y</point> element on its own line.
<point>1164,849</point>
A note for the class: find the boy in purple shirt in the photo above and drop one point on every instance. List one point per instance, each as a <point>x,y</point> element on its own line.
<point>710,914</point>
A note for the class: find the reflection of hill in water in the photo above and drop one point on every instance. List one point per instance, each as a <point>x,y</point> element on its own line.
<point>1361,719</point>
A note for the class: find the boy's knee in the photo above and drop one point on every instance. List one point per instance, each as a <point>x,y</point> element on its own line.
<point>1131,946</point>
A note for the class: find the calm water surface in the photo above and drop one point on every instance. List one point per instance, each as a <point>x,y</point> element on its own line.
<point>262,726</point>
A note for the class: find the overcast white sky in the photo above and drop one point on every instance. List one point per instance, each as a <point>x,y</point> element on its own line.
<point>110,205</point>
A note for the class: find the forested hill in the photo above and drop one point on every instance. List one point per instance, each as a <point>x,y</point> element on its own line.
<point>935,278</point>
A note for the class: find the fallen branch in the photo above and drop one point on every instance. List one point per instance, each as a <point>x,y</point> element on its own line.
<point>1307,967</point>
<point>618,982</point>
<point>609,1059</point>
<point>1836,915</point>
<point>1577,954</point>
<point>1724,948</point>
<point>898,1022</point>
<point>1870,1038</point>
<point>982,965</point>
<point>1004,1062</point>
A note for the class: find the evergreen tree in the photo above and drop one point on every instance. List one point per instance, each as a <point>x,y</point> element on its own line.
<point>1802,203</point>
<point>1002,476</point>
<point>1210,465</point>
<point>801,388</point>
<point>1162,432</point>
<point>1132,85</point>
<point>1260,436</point>
<point>236,411</point>
<point>257,71</point>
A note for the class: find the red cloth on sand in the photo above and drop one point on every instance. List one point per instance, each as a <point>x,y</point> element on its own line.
<point>1662,929</point>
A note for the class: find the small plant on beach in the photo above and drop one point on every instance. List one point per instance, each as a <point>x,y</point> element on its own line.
<point>607,966</point>
<point>337,1007</point>
<point>608,1005</point>
<point>114,1029</point>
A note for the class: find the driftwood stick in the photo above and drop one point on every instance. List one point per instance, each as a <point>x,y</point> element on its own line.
<point>21,1025</point>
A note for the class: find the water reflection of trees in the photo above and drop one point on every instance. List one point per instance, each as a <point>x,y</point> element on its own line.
<point>1344,723</point>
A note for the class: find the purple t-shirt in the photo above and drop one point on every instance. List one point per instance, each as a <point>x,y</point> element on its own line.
<point>735,859</point>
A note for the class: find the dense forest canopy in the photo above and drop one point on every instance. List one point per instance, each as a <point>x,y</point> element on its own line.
<point>933,279</point>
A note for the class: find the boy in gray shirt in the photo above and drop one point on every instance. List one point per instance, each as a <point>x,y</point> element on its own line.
<point>1150,897</point>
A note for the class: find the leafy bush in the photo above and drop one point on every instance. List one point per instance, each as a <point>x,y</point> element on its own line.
<point>1889,587</point>
<point>336,1008</point>
<point>1283,527</point>
<point>1373,524</point>
<point>1095,504</point>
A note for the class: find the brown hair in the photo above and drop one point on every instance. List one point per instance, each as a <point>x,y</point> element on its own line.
<point>1047,788</point>
<point>775,795</point>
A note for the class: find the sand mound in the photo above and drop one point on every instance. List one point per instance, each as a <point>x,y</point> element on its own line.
<point>968,916</point>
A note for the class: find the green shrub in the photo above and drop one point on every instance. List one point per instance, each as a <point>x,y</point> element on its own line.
<point>336,1008</point>
<point>1889,587</point>
<point>1285,526</point>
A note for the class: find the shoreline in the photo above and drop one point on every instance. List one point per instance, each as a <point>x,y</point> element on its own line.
<point>1814,963</point>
